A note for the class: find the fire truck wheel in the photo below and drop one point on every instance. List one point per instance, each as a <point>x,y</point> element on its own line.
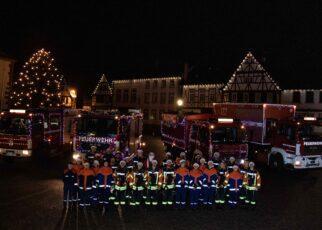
<point>276,162</point>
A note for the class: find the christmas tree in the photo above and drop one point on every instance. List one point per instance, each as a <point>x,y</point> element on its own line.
<point>39,84</point>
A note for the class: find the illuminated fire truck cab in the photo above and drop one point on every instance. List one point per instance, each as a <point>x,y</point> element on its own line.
<point>204,133</point>
<point>107,130</point>
<point>23,132</point>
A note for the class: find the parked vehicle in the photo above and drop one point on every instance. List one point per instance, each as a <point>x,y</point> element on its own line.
<point>206,133</point>
<point>25,132</point>
<point>107,129</point>
<point>275,136</point>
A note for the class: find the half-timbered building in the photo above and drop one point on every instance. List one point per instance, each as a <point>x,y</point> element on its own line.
<point>251,83</point>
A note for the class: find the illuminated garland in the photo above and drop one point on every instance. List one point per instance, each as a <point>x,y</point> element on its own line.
<point>39,84</point>
<point>249,57</point>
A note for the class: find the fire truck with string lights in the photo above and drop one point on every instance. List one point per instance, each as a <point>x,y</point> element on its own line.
<point>24,133</point>
<point>107,130</point>
<point>276,136</point>
<point>205,133</point>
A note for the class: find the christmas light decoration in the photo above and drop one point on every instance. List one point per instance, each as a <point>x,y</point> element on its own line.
<point>39,83</point>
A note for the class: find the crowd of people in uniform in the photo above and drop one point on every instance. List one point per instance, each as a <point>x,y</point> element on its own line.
<point>115,179</point>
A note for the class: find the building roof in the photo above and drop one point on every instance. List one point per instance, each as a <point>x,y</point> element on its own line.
<point>205,74</point>
<point>103,87</point>
<point>251,76</point>
<point>147,77</point>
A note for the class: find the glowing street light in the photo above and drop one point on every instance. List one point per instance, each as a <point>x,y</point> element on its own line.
<point>180,102</point>
<point>73,93</point>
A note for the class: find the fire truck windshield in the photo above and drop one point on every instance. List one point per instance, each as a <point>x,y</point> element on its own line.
<point>310,131</point>
<point>100,127</point>
<point>14,125</point>
<point>224,135</point>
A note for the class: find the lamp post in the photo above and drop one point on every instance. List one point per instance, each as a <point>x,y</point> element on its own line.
<point>180,105</point>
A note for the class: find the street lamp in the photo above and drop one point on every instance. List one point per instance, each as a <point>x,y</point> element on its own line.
<point>180,102</point>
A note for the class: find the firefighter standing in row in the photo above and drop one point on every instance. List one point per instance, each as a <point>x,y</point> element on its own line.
<point>153,183</point>
<point>234,182</point>
<point>231,163</point>
<point>168,176</point>
<point>85,185</point>
<point>77,167</point>
<point>221,191</point>
<point>252,182</point>
<point>120,183</point>
<point>243,170</point>
<point>195,185</point>
<point>216,160</point>
<point>138,185</point>
<point>69,179</point>
<point>210,184</point>
<point>182,183</point>
<point>104,181</point>
<point>94,196</point>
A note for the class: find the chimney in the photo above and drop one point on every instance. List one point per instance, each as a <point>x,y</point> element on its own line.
<point>185,72</point>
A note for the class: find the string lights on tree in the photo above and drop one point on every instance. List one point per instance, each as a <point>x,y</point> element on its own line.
<point>39,84</point>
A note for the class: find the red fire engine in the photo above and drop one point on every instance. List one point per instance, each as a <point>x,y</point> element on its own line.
<point>206,133</point>
<point>276,136</point>
<point>25,132</point>
<point>105,130</point>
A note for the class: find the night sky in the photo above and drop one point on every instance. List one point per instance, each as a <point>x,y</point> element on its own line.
<point>141,38</point>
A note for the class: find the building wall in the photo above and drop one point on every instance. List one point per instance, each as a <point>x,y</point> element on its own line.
<point>308,101</point>
<point>201,95</point>
<point>152,95</point>
<point>6,68</point>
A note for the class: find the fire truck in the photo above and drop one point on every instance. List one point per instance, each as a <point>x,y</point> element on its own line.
<point>205,133</point>
<point>25,132</point>
<point>107,129</point>
<point>276,136</point>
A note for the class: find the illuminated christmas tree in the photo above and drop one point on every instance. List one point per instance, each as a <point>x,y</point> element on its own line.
<point>39,84</point>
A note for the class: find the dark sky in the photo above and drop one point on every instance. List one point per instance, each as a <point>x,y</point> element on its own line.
<point>142,37</point>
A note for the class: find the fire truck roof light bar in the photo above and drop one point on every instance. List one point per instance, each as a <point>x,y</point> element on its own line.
<point>17,111</point>
<point>309,118</point>
<point>225,120</point>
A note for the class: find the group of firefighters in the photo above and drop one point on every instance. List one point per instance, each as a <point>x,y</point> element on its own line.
<point>136,180</point>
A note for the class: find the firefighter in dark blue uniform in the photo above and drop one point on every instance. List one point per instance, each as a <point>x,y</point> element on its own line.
<point>168,175</point>
<point>85,185</point>
<point>69,180</point>
<point>221,191</point>
<point>243,168</point>
<point>252,182</point>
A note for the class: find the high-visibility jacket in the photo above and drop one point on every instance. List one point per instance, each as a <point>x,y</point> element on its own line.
<point>95,170</point>
<point>153,178</point>
<point>195,179</point>
<point>86,179</point>
<point>243,170</point>
<point>234,181</point>
<point>252,180</point>
<point>104,177</point>
<point>216,163</point>
<point>77,168</point>
<point>69,178</point>
<point>136,160</point>
<point>168,176</point>
<point>182,178</point>
<point>138,182</point>
<point>222,177</point>
<point>230,166</point>
<point>120,178</point>
<point>211,178</point>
